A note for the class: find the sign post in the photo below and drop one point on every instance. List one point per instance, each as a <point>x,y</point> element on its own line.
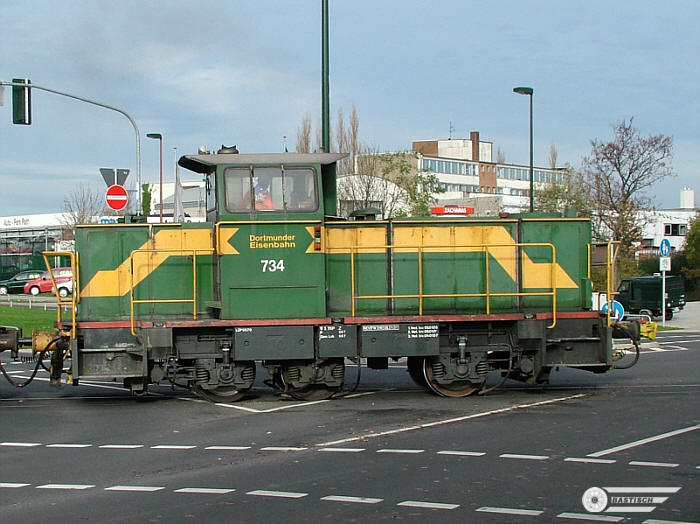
<point>664,265</point>
<point>617,310</point>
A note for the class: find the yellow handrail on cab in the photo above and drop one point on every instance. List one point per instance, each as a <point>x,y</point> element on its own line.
<point>75,284</point>
<point>192,300</point>
<point>612,252</point>
<point>488,294</point>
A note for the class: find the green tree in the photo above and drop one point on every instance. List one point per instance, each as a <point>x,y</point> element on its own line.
<point>557,196</point>
<point>688,261</point>
<point>146,199</point>
<point>692,246</point>
<point>420,187</point>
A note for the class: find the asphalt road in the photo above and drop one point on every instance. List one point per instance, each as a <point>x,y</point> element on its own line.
<point>388,452</point>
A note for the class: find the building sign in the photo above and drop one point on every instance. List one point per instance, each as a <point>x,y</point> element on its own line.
<point>451,210</point>
<point>32,221</point>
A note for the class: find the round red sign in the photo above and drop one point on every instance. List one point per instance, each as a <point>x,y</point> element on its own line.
<point>117,197</point>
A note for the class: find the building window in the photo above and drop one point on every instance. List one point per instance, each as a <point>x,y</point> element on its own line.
<point>675,230</point>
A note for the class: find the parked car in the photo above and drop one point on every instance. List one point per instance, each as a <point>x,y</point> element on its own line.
<point>7,272</point>
<point>43,284</point>
<point>642,295</point>
<point>64,288</point>
<point>16,283</point>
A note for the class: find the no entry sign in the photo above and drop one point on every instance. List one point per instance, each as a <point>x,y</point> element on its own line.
<point>117,197</point>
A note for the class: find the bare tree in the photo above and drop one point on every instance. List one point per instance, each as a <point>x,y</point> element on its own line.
<point>304,135</point>
<point>553,156</point>
<point>347,140</point>
<point>319,137</point>
<point>500,156</point>
<point>341,136</point>
<point>618,172</point>
<point>81,206</point>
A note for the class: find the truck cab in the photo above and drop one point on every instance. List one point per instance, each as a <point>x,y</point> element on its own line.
<point>642,295</point>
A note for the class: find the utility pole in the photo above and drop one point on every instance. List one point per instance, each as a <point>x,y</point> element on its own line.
<point>325,85</point>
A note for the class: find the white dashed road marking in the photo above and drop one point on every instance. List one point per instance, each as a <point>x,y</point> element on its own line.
<point>144,489</point>
<point>653,464</point>
<point>20,444</point>
<point>427,505</point>
<point>524,457</point>
<point>281,494</point>
<point>13,485</point>
<point>590,460</point>
<point>343,450</point>
<point>511,511</point>
<point>228,448</point>
<point>462,453</point>
<point>591,517</point>
<point>66,486</point>
<point>360,500</point>
<point>205,491</point>
<point>282,448</point>
<point>69,445</point>
<point>405,451</point>
<point>167,446</point>
<point>121,446</point>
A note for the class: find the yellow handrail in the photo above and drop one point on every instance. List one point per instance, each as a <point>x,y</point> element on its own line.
<point>488,294</point>
<point>612,252</point>
<point>192,300</point>
<point>74,296</point>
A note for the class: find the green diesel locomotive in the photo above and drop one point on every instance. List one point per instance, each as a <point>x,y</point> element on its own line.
<point>275,278</point>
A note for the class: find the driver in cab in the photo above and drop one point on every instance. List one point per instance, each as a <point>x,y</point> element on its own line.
<point>262,195</point>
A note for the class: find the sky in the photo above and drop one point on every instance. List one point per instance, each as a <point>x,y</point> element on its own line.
<point>216,72</point>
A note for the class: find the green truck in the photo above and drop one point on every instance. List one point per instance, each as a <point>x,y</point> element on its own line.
<point>642,295</point>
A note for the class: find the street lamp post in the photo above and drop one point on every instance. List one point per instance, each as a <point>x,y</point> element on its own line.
<point>528,91</point>
<point>159,137</point>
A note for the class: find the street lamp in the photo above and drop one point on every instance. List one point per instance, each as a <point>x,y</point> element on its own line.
<point>528,91</point>
<point>159,137</point>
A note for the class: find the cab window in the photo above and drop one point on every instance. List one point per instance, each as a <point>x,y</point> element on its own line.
<point>271,189</point>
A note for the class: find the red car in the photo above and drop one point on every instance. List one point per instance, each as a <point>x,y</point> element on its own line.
<point>43,284</point>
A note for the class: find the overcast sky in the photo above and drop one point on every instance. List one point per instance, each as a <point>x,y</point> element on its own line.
<point>233,72</point>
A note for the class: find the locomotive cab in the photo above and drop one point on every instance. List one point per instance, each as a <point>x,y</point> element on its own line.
<point>268,211</point>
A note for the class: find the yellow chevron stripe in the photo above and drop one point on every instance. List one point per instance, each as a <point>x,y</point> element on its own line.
<point>366,239</point>
<point>225,247</point>
<point>116,282</point>
<point>451,239</point>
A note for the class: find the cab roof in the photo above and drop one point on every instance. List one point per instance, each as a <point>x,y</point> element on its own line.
<point>208,163</point>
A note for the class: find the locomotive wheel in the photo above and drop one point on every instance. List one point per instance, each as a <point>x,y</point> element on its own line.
<point>318,391</point>
<point>220,394</point>
<point>313,392</point>
<point>456,389</point>
<point>414,366</point>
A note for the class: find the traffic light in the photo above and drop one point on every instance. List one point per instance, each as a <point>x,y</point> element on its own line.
<point>21,102</point>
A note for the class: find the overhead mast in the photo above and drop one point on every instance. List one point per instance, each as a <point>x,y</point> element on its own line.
<point>325,88</point>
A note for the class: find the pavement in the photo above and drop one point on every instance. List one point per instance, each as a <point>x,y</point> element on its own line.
<point>689,318</point>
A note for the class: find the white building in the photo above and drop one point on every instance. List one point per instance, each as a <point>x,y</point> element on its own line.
<point>470,173</point>
<point>672,224</point>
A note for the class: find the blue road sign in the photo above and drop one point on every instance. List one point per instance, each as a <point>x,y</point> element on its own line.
<point>665,248</point>
<point>618,311</point>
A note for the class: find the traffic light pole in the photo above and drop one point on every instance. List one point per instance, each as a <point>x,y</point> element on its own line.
<point>93,102</point>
